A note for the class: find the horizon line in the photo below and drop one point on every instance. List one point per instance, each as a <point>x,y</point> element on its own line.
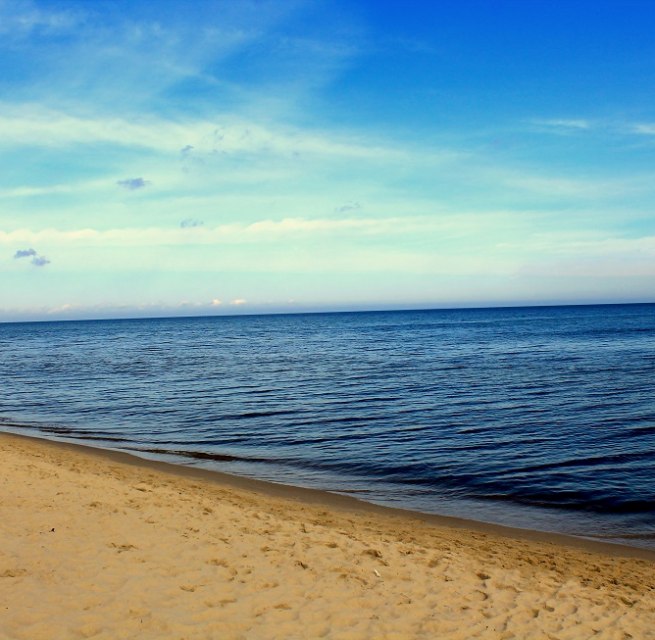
<point>480,307</point>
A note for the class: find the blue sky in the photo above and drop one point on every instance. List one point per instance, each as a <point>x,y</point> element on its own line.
<point>167,158</point>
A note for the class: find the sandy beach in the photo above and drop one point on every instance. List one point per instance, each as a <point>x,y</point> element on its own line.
<point>101,545</point>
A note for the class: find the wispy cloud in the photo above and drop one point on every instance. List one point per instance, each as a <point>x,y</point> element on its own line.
<point>556,186</point>
<point>29,125</point>
<point>549,185</point>
<point>614,127</point>
<point>645,129</point>
<point>77,188</point>
<point>588,243</point>
<point>19,18</point>
<point>118,61</point>
<point>564,124</point>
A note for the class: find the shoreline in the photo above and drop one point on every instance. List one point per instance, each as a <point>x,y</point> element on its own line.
<point>344,502</point>
<point>102,544</point>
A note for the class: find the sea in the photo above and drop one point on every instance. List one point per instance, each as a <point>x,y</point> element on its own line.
<point>541,418</point>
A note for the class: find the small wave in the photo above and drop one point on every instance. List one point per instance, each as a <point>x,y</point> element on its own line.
<point>571,501</point>
<point>639,431</point>
<point>198,455</point>
<point>588,461</point>
<point>68,432</point>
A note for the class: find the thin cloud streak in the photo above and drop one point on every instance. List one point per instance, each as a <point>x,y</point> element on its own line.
<point>564,123</point>
<point>646,129</point>
<point>608,126</point>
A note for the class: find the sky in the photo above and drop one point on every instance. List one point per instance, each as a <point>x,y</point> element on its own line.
<point>219,157</point>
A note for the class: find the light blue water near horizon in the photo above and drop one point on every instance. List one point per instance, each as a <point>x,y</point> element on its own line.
<point>536,417</point>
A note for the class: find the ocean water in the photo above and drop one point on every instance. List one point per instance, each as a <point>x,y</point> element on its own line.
<point>542,417</point>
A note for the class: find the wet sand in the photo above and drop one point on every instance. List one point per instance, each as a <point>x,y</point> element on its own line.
<point>97,544</point>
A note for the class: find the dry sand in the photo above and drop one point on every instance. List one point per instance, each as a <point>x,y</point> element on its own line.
<point>95,545</point>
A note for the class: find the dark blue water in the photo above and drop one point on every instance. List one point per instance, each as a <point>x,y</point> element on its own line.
<point>535,417</point>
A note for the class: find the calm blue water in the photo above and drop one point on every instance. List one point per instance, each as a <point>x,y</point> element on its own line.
<point>535,417</point>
